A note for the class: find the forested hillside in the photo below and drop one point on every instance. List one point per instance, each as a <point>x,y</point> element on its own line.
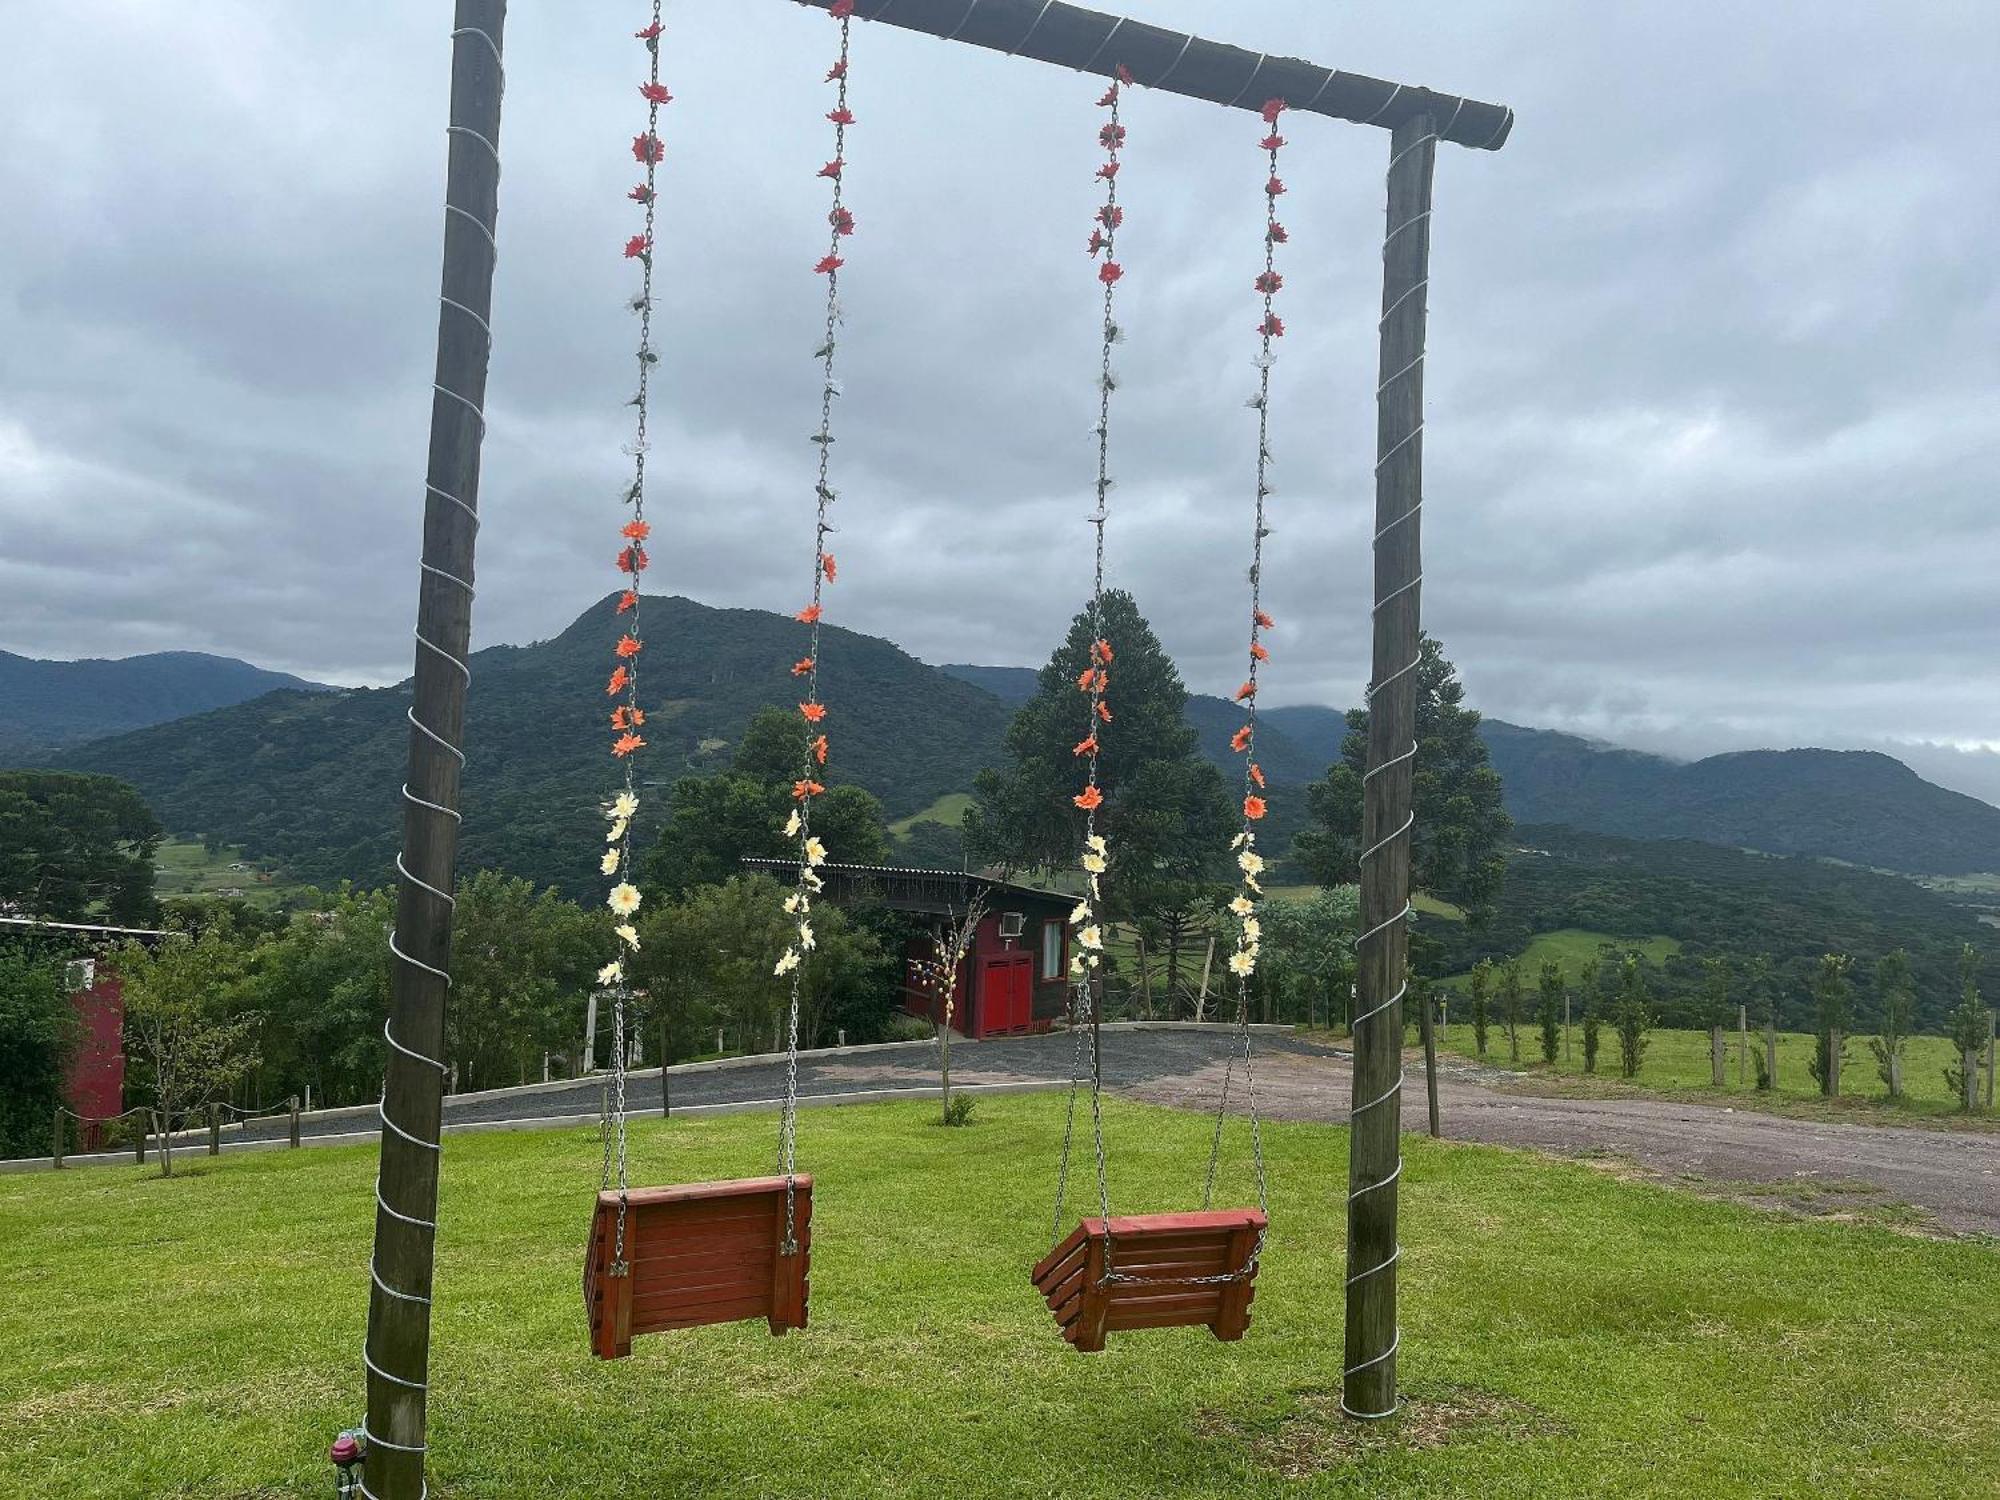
<point>48,703</point>
<point>311,779</point>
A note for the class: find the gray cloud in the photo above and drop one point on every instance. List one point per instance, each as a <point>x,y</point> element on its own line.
<point>1711,403</point>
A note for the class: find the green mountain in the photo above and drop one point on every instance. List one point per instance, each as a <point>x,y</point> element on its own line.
<point>310,779</point>
<point>48,703</point>
<point>1854,805</point>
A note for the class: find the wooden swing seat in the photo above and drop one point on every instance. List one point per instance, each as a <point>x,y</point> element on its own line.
<point>699,1253</point>
<point>1159,1252</point>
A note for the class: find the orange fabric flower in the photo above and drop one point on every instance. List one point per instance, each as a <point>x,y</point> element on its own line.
<point>1088,798</point>
<point>623,717</point>
<point>1240,741</point>
<point>1086,747</point>
<point>828,566</point>
<point>620,680</point>
<point>802,666</point>
<point>809,615</point>
<point>1266,621</point>
<point>819,749</point>
<point>626,744</point>
<point>1258,652</point>
<point>1104,710</point>
<point>636,531</point>
<point>814,712</point>
<point>1253,807</point>
<point>1248,690</point>
<point>628,600</point>
<point>630,645</point>
<point>633,560</point>
<point>1256,773</point>
<point>805,788</point>
<point>1100,651</point>
<point>1084,679</point>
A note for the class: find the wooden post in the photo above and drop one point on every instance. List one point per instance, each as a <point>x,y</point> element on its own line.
<point>667,1061</point>
<point>294,1103</point>
<point>1771,1052</point>
<point>1374,1145</point>
<point>1565,1028</point>
<point>145,1124</point>
<point>1968,1070</point>
<point>1427,1025</point>
<point>1717,1049</point>
<point>1201,1000</point>
<point>58,1140</point>
<point>1992,1027</point>
<point>1145,980</point>
<point>397,1351</point>
<point>215,1130</point>
<point>1743,1046</point>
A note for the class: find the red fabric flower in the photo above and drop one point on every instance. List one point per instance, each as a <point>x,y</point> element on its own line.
<point>828,566</point>
<point>655,93</point>
<point>1256,773</point>
<point>837,72</point>
<point>630,645</point>
<point>620,680</point>
<point>1111,216</point>
<point>1109,272</point>
<point>1265,621</point>
<point>804,788</point>
<point>1248,690</point>
<point>1272,109</point>
<point>828,264</point>
<point>1258,652</point>
<point>633,560</point>
<point>623,717</point>
<point>1269,282</point>
<point>1273,326</point>
<point>641,194</point>
<point>840,10</point>
<point>635,247</point>
<point>1240,741</point>
<point>650,32</point>
<point>1100,651</point>
<point>648,148</point>
<point>628,600</point>
<point>626,744</point>
<point>1097,241</point>
<point>1276,234</point>
<point>814,712</point>
<point>841,116</point>
<point>636,531</point>
<point>1110,97</point>
<point>1275,187</point>
<point>1108,171</point>
<point>1086,746</point>
<point>809,615</point>
<point>1111,137</point>
<point>819,749</point>
<point>1253,807</point>
<point>1088,798</point>
<point>841,220</point>
<point>1125,74</point>
<point>1273,142</point>
<point>1104,710</point>
<point>802,666</point>
<point>833,168</point>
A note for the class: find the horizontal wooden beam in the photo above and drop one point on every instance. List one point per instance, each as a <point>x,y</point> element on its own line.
<point>1090,41</point>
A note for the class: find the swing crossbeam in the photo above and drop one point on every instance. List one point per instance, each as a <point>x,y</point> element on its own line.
<point>1091,41</point>
<point>1153,1271</point>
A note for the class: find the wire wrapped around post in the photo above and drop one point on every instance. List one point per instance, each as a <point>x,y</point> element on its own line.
<point>396,1353</point>
<point>1388,824</point>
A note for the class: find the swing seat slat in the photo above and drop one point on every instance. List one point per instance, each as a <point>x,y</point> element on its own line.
<point>1151,1258</point>
<point>698,1253</point>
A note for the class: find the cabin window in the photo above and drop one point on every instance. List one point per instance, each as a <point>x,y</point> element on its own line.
<point>1052,950</point>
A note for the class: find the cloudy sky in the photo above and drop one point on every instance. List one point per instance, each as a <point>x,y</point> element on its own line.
<point>1714,395</point>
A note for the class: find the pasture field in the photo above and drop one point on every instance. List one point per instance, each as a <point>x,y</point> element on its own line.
<point>1565,1333</point>
<point>950,810</point>
<point>185,868</point>
<point>1575,948</point>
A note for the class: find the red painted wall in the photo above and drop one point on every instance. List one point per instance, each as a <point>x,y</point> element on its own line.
<point>95,1084</point>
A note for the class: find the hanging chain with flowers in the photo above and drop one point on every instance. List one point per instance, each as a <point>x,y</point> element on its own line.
<point>627,717</point>
<point>812,853</point>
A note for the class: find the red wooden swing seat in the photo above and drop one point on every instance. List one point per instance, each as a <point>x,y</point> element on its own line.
<point>699,1253</point>
<point>1152,1258</point>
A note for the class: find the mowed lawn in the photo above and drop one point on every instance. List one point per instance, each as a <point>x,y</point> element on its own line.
<point>1679,1059</point>
<point>1565,1333</point>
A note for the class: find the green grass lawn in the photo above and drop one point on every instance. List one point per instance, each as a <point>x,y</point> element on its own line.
<point>185,868</point>
<point>1565,1333</point>
<point>1679,1060</point>
<point>1575,948</point>
<point>950,810</point>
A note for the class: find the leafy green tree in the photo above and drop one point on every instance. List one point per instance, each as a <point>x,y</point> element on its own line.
<point>1897,994</point>
<point>1166,813</point>
<point>1634,1018</point>
<point>1761,992</point>
<point>1967,1032</point>
<point>1510,1008</point>
<point>185,1035</point>
<point>322,985</point>
<point>1482,980</point>
<point>1833,997</point>
<point>1551,1010</point>
<point>1461,828</point>
<point>1308,957</point>
<point>37,1033</point>
<point>522,962</point>
<point>74,846</point>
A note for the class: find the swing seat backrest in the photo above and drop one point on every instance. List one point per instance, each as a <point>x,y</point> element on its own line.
<point>700,1253</point>
<point>1151,1260</point>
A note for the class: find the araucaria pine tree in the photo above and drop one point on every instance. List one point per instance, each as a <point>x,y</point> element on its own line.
<point>1634,1018</point>
<point>1897,995</point>
<point>1833,994</point>
<point>1593,1019</point>
<point>1510,1009</point>
<point>1967,1025</point>
<point>1482,979</point>
<point>1551,1013</point>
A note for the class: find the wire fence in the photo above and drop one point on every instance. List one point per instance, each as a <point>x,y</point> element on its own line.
<point>160,1129</point>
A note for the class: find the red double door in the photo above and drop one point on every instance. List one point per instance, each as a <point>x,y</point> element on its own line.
<point>1006,994</point>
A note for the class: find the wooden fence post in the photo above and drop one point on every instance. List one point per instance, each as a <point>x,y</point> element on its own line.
<point>1201,1000</point>
<point>215,1130</point>
<point>1430,1064</point>
<point>1716,1049</point>
<point>1992,1027</point>
<point>58,1141</point>
<point>1771,1051</point>
<point>1836,1043</point>
<point>1368,1384</point>
<point>1566,1055</point>
<point>1743,1046</point>
<point>295,1121</point>
<point>145,1122</point>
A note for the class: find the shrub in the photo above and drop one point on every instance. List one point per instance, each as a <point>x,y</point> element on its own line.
<point>959,1111</point>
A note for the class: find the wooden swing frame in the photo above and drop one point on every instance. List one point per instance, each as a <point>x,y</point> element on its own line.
<point>1049,31</point>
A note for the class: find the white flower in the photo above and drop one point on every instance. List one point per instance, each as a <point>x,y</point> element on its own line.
<point>1091,937</point>
<point>1253,885</point>
<point>1080,915</point>
<point>1253,931</point>
<point>609,864</point>
<point>1250,863</point>
<point>1095,843</point>
<point>1240,840</point>
<point>1091,959</point>
<point>815,852</point>
<point>788,963</point>
<point>794,824</point>
<point>624,898</point>
<point>1243,906</point>
<point>628,935</point>
<point>616,832</point>
<point>611,973</point>
<point>793,902</point>
<point>1243,963</point>
<point>1076,963</point>
<point>623,806</point>
<point>1094,863</point>
<point>812,880</point>
<point>806,936</point>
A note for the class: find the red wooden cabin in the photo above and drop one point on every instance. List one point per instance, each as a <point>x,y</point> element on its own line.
<point>1016,978</point>
<point>94,1086</point>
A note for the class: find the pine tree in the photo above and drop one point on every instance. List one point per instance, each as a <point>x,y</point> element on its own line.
<point>1898,998</point>
<point>1482,978</point>
<point>1833,994</point>
<point>1551,1016</point>
<point>1634,1018</point>
<point>1510,1008</point>
<point>1967,1032</point>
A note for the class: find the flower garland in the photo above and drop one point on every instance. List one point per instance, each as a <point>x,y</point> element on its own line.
<point>1095,679</point>
<point>628,718</point>
<point>812,853</point>
<point>1249,930</point>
